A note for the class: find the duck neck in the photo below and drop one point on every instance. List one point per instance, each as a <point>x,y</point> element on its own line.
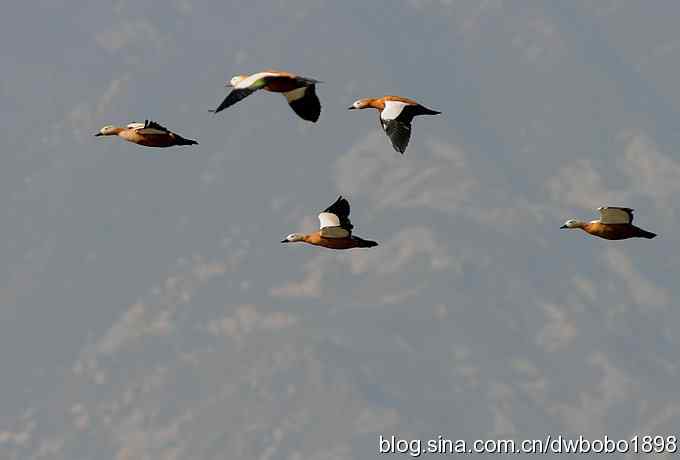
<point>378,104</point>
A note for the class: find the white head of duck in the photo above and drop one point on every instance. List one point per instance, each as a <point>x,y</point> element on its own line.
<point>236,79</point>
<point>108,130</point>
<point>572,223</point>
<point>361,103</point>
<point>293,237</point>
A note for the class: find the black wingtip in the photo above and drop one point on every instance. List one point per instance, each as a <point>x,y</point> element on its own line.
<point>312,118</point>
<point>307,107</point>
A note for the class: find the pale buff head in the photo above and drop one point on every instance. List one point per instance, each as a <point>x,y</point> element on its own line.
<point>293,238</point>
<point>572,223</point>
<point>361,104</point>
<point>236,79</point>
<point>108,130</point>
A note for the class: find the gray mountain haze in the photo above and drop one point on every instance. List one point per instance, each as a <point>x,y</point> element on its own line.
<point>148,310</point>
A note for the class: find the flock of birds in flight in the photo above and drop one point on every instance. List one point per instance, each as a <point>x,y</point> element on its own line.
<point>396,115</point>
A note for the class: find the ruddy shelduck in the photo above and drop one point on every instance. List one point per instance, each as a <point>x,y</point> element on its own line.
<point>614,224</point>
<point>148,134</point>
<point>335,230</point>
<point>300,92</point>
<point>396,114</point>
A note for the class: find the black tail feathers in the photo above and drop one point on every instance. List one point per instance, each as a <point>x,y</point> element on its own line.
<point>183,141</point>
<point>646,234</point>
<point>365,243</point>
<point>422,110</point>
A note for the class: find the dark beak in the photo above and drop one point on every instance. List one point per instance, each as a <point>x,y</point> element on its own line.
<point>351,107</point>
<point>97,134</point>
<point>285,241</point>
<point>564,226</point>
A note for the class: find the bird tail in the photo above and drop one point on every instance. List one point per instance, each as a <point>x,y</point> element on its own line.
<point>183,141</point>
<point>308,81</point>
<point>422,110</point>
<point>361,243</point>
<point>646,234</point>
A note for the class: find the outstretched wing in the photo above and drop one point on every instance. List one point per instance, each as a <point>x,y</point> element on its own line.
<point>395,119</point>
<point>233,97</point>
<point>151,127</point>
<point>615,215</point>
<point>399,133</point>
<point>334,220</point>
<point>304,102</point>
<point>243,89</point>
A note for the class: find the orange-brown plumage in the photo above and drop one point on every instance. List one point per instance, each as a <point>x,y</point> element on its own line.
<point>396,115</point>
<point>300,92</point>
<point>405,100</point>
<point>615,223</point>
<point>614,231</point>
<point>337,243</point>
<point>147,134</point>
<point>282,82</point>
<point>335,230</point>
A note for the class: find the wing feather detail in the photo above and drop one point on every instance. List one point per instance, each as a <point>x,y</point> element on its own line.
<point>615,215</point>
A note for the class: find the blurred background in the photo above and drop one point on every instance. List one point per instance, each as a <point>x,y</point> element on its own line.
<point>148,311</point>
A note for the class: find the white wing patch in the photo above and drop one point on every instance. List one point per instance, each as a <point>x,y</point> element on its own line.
<point>614,216</point>
<point>392,110</point>
<point>248,81</point>
<point>135,125</point>
<point>330,226</point>
<point>328,219</point>
<point>295,94</point>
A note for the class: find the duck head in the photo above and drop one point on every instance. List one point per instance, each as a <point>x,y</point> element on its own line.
<point>108,130</point>
<point>572,223</point>
<point>360,104</point>
<point>294,237</point>
<point>235,80</point>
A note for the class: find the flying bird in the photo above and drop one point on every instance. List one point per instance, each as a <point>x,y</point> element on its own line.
<point>148,134</point>
<point>300,92</point>
<point>614,224</point>
<point>335,230</point>
<point>396,114</point>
